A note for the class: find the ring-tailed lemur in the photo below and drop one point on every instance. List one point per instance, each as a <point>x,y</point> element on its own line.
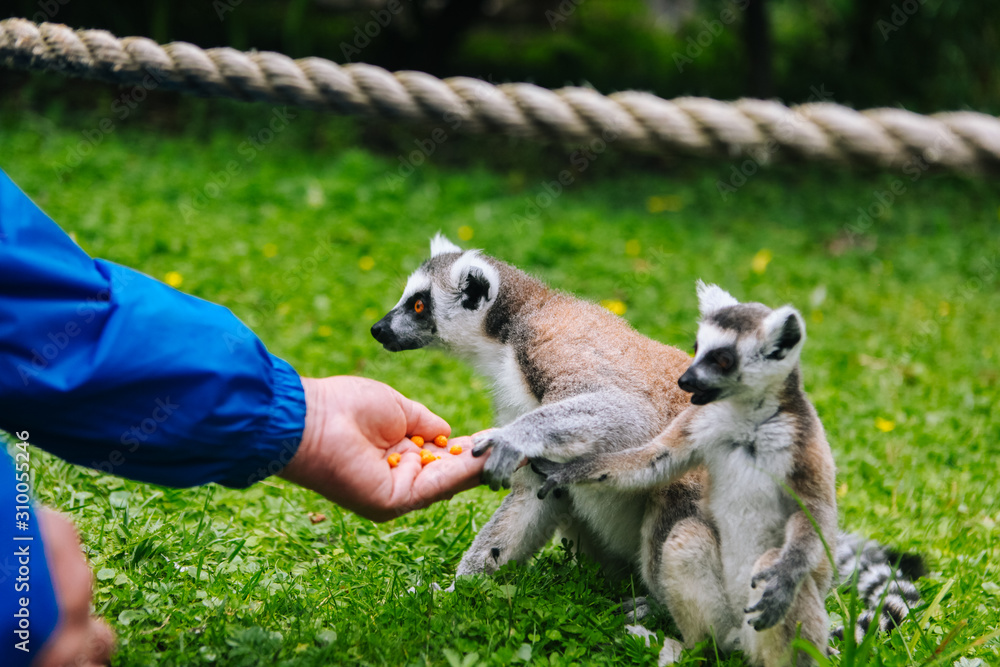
<point>568,378</point>
<point>762,577</point>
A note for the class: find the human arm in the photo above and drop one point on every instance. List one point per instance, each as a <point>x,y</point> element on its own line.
<point>111,369</point>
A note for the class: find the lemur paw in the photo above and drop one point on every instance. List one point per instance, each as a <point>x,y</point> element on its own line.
<point>563,474</point>
<point>503,461</point>
<point>774,602</point>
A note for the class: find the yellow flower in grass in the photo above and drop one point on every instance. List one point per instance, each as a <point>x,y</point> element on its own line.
<point>615,306</point>
<point>760,261</point>
<point>465,233</point>
<point>668,204</point>
<point>173,278</point>
<point>366,263</point>
<point>270,250</point>
<point>324,330</point>
<point>884,425</point>
<point>632,248</point>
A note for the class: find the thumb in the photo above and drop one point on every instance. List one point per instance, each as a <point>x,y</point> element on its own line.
<point>421,421</point>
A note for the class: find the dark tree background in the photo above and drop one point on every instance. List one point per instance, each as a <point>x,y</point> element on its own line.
<point>925,55</point>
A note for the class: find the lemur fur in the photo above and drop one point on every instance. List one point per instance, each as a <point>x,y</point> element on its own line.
<point>568,378</point>
<point>761,578</point>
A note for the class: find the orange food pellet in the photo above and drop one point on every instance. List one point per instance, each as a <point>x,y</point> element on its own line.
<point>394,459</point>
<point>456,449</point>
<point>441,441</point>
<point>427,457</point>
<point>417,440</point>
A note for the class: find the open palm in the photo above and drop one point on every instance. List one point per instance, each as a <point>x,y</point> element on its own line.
<point>352,425</point>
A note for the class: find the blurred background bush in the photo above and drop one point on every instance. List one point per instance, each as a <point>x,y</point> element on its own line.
<point>925,55</point>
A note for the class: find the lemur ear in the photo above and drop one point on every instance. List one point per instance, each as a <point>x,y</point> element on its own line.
<point>441,245</point>
<point>784,331</point>
<point>712,297</point>
<point>476,289</point>
<point>475,280</point>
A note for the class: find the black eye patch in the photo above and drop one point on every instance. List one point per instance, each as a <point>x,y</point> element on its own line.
<point>419,304</point>
<point>723,358</point>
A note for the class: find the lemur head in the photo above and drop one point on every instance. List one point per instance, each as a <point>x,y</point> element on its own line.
<point>743,349</point>
<point>444,301</point>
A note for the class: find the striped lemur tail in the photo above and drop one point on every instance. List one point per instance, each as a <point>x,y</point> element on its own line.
<point>885,577</point>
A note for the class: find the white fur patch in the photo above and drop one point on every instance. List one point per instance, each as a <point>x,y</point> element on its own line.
<point>748,504</point>
<point>712,297</point>
<point>511,394</point>
<point>441,245</point>
<point>417,282</point>
<point>711,337</point>
<point>774,322</point>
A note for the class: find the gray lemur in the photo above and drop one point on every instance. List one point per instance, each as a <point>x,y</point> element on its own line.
<point>761,578</point>
<point>570,379</point>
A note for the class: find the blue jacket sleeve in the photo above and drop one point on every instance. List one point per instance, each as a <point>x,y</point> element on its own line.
<point>111,369</point>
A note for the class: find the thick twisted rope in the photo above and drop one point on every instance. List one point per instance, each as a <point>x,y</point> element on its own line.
<point>888,138</point>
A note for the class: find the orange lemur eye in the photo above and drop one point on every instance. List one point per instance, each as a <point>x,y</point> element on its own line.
<point>724,359</point>
<point>418,306</point>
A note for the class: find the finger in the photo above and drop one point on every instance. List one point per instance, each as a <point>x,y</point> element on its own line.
<point>103,642</point>
<point>421,421</point>
<point>448,476</point>
<point>549,484</point>
<point>405,473</point>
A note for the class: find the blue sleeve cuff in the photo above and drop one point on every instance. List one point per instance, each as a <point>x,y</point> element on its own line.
<point>278,441</point>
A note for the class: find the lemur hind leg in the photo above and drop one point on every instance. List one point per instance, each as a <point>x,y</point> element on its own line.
<point>521,526</point>
<point>690,580</point>
<point>806,619</point>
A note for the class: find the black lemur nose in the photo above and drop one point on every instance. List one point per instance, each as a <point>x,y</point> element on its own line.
<point>378,330</point>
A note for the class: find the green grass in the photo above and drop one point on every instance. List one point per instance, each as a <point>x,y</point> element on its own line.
<point>902,332</point>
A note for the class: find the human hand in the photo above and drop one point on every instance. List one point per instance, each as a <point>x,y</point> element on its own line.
<point>79,638</point>
<point>352,425</point>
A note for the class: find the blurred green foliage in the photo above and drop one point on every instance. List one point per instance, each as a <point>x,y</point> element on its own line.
<point>926,55</point>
